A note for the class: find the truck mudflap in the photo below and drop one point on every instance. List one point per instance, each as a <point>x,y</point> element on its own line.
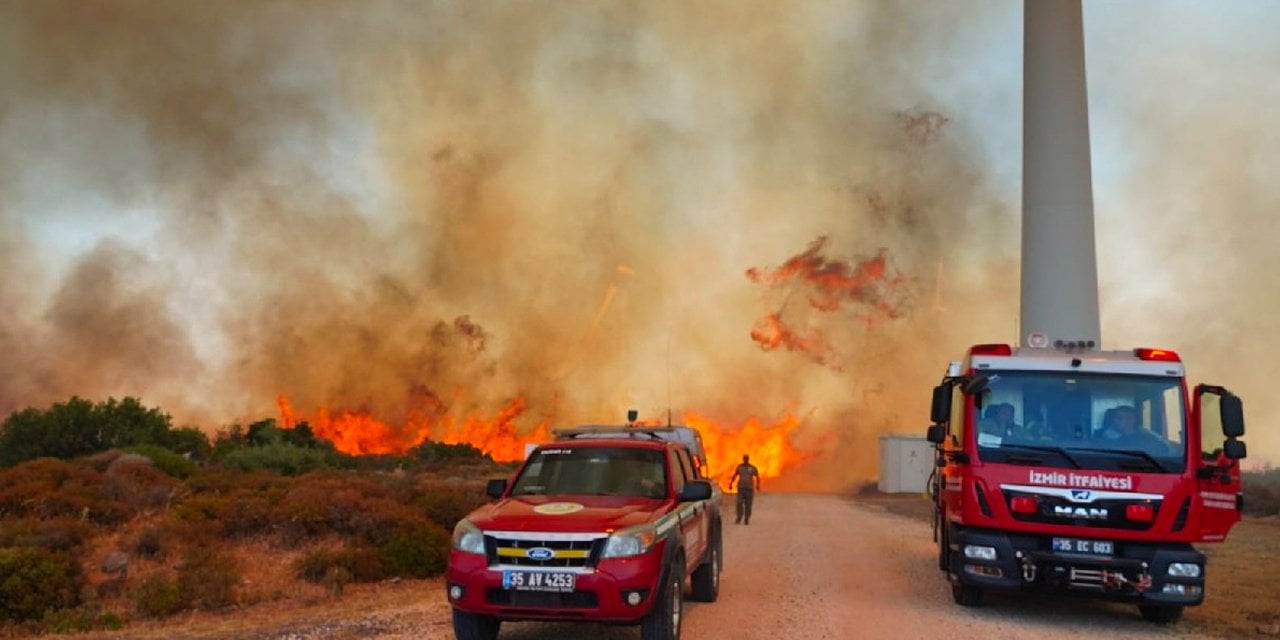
<point>1141,572</point>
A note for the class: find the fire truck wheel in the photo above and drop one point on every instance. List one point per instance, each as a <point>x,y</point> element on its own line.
<point>663,621</point>
<point>966,595</point>
<point>706,578</point>
<point>471,626</point>
<point>944,548</point>
<point>1160,614</point>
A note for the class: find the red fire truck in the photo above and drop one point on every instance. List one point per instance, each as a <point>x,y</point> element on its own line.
<point>1075,470</point>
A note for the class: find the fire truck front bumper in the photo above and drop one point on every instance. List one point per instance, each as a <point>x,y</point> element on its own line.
<point>1142,572</point>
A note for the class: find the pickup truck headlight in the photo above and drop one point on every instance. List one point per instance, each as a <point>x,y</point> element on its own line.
<point>468,538</point>
<point>631,541</point>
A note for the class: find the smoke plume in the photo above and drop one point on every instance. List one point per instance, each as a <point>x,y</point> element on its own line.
<point>398,207</point>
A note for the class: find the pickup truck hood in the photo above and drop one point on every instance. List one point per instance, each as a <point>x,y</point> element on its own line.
<point>568,513</point>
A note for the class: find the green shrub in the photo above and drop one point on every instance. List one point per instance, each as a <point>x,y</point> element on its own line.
<point>1262,492</point>
<point>418,550</point>
<point>282,458</point>
<point>165,460</point>
<point>35,582</point>
<point>157,596</point>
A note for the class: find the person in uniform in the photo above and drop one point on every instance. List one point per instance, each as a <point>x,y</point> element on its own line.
<point>748,479</point>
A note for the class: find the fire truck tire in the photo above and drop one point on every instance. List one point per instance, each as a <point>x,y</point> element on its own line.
<point>1160,614</point>
<point>944,548</point>
<point>472,626</point>
<point>966,595</point>
<point>663,621</point>
<point>706,578</point>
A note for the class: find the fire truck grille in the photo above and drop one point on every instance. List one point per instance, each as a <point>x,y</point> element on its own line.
<point>547,553</point>
<point>1099,514</point>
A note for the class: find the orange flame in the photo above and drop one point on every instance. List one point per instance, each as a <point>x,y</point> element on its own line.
<point>769,446</point>
<point>358,433</point>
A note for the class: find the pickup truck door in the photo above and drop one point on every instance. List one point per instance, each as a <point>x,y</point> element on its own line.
<point>693,515</point>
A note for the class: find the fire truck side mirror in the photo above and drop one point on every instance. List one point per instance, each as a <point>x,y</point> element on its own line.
<point>941,410</point>
<point>1234,449</point>
<point>496,488</point>
<point>935,434</point>
<point>1232,411</point>
<point>695,491</point>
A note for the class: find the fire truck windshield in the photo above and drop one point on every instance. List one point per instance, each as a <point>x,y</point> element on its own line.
<point>1089,421</point>
<point>620,471</point>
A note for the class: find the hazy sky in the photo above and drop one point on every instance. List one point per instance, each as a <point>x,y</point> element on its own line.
<point>385,206</point>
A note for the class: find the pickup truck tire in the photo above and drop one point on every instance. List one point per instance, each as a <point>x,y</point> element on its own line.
<point>473,626</point>
<point>1160,614</point>
<point>706,578</point>
<point>663,621</point>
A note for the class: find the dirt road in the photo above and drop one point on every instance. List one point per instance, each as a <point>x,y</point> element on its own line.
<point>808,567</point>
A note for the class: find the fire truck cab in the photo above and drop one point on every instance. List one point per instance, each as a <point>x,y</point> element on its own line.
<point>1082,471</point>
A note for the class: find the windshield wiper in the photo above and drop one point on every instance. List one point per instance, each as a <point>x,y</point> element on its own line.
<point>1135,453</point>
<point>1031,447</point>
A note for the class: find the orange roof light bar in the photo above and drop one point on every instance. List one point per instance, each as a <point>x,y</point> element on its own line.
<point>1157,355</point>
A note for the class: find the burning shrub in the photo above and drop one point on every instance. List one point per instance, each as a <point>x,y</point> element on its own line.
<point>34,582</point>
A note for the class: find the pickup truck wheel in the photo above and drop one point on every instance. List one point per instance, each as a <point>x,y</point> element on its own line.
<point>473,626</point>
<point>1160,614</point>
<point>663,621</point>
<point>706,578</point>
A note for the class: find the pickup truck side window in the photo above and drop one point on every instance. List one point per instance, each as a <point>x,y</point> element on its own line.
<point>677,471</point>
<point>686,465</point>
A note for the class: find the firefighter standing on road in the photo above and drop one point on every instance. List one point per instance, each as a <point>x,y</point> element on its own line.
<point>748,479</point>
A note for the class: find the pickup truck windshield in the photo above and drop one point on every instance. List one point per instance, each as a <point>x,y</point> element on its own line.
<point>1083,421</point>
<point>620,471</point>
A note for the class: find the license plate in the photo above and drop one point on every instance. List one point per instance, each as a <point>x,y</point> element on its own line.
<point>1080,545</point>
<point>557,581</point>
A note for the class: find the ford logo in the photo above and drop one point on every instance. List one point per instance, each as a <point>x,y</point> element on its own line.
<point>539,554</point>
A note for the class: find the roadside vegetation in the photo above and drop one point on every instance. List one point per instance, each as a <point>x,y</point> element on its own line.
<point>109,514</point>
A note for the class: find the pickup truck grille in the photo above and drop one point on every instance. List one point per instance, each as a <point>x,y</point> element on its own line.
<point>553,550</point>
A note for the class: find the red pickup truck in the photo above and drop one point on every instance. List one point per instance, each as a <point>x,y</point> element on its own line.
<point>596,529</point>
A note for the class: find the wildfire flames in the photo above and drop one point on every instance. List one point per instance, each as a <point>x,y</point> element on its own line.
<point>865,290</point>
<point>358,433</point>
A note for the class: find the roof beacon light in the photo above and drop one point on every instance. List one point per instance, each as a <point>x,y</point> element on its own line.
<point>1157,355</point>
<point>991,350</point>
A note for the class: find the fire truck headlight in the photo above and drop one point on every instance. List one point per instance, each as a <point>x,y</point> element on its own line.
<point>631,541</point>
<point>979,552</point>
<point>1184,569</point>
<point>468,538</point>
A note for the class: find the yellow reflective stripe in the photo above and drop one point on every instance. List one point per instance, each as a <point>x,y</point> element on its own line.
<point>568,554</point>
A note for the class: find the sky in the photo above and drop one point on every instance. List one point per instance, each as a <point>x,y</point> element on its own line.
<point>397,207</point>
